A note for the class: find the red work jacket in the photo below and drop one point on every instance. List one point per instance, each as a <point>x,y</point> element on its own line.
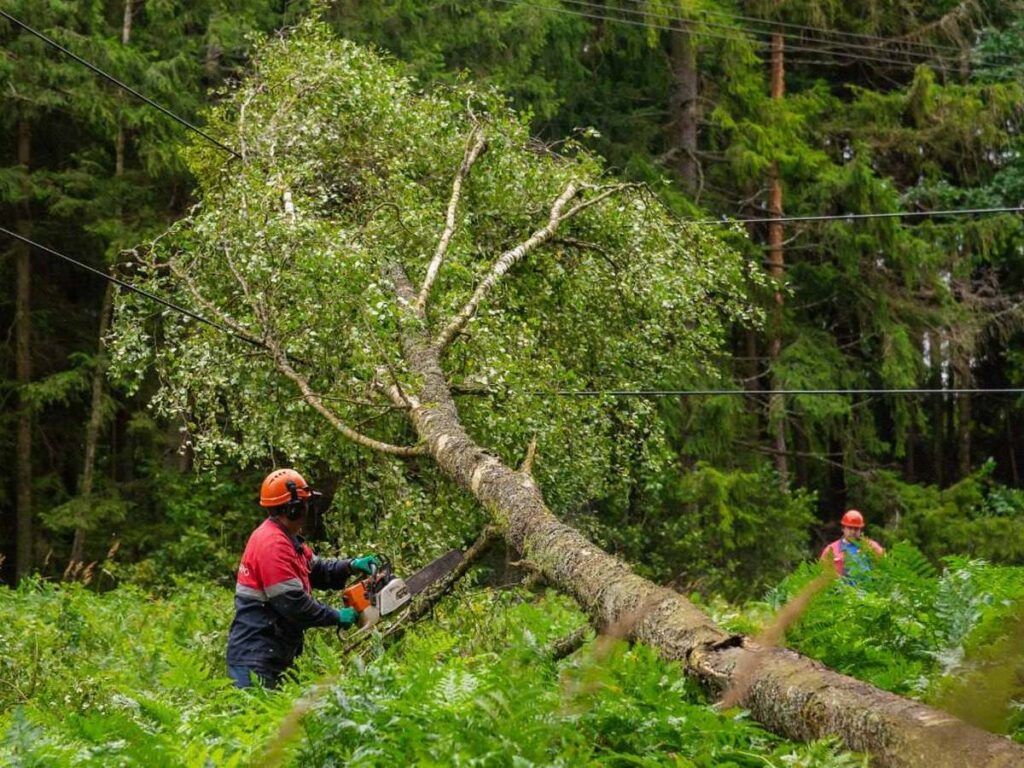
<point>273,604</point>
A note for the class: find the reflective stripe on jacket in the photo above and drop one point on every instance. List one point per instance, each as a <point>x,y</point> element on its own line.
<point>273,605</point>
<point>834,551</point>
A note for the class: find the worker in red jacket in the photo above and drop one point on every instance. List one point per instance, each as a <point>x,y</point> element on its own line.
<point>848,554</point>
<point>273,605</point>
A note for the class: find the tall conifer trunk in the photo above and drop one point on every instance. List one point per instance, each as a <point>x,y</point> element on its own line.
<point>92,430</point>
<point>684,107</point>
<point>963,418</point>
<point>939,439</point>
<point>962,378</point>
<point>23,363</point>
<point>776,267</point>
<point>1011,450</point>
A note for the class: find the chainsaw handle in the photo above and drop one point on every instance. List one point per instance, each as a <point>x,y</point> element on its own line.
<point>383,562</point>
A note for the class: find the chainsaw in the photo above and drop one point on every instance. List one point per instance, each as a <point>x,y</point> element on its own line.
<point>382,593</point>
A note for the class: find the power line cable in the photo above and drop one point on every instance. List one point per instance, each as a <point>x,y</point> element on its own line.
<point>135,289</point>
<point>858,216</point>
<point>874,51</point>
<point>801,44</point>
<point>182,121</point>
<point>878,39</point>
<point>928,48</point>
<point>744,392</point>
<point>954,51</point>
<point>763,45</point>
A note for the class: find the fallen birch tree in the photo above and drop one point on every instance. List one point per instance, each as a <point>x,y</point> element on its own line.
<point>388,248</point>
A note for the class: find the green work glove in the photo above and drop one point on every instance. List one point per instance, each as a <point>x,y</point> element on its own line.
<point>366,563</point>
<point>347,616</point>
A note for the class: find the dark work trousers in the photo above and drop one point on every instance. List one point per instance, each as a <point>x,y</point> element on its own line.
<point>244,677</point>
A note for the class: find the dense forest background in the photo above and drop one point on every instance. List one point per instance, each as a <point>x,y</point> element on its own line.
<point>743,110</point>
<point>123,516</point>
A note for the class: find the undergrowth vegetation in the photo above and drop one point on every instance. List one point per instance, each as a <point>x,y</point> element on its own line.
<point>478,686</point>
<point>125,679</point>
<point>121,678</point>
<point>950,636</point>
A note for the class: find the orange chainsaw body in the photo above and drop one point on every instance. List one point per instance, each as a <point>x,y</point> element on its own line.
<point>356,596</point>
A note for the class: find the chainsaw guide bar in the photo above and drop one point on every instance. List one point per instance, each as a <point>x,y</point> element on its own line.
<point>430,573</point>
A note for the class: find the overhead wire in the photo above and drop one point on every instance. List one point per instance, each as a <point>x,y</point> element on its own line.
<point>122,85</point>
<point>858,216</point>
<point>727,15</point>
<point>761,45</point>
<point>827,49</point>
<point>597,8</point>
<point>135,289</point>
<point>654,393</point>
<point>878,39</point>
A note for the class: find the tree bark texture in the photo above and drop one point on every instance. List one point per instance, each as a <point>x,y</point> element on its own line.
<point>788,693</point>
<point>23,364</point>
<point>684,109</point>
<point>776,267</point>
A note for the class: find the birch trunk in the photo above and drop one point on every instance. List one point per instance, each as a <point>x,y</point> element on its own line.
<point>786,692</point>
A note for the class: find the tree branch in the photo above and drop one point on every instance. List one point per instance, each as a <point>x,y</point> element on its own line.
<point>314,400</point>
<point>606,191</point>
<point>512,257</point>
<point>569,644</point>
<point>393,391</point>
<point>531,453</point>
<point>474,148</point>
<point>208,306</point>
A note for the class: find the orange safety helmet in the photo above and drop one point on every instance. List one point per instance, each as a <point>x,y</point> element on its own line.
<point>283,486</point>
<point>853,519</point>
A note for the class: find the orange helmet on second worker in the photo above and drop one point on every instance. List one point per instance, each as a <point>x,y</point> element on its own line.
<point>852,519</point>
<point>282,486</point>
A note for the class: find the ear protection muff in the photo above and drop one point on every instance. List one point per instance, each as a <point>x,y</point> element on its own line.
<point>296,505</point>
